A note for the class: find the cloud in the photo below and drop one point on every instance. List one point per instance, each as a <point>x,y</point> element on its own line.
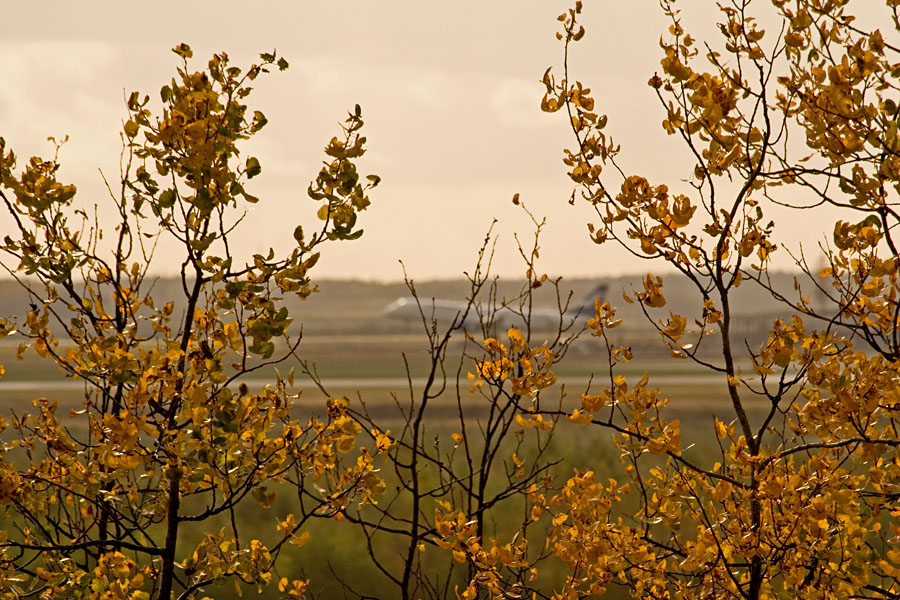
<point>44,65</point>
<point>58,88</point>
<point>431,89</point>
<point>321,73</point>
<point>422,86</point>
<point>516,102</point>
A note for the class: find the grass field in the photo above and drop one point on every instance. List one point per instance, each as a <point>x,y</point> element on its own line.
<point>386,372</point>
<point>380,369</point>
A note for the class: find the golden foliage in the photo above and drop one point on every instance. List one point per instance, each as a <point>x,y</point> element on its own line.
<point>167,418</point>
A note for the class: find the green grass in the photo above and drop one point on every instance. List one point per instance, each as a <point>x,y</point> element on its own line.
<point>372,360</point>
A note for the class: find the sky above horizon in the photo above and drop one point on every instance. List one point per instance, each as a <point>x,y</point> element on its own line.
<point>450,94</point>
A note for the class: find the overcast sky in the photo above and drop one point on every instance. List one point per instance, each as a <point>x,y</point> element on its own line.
<point>450,93</point>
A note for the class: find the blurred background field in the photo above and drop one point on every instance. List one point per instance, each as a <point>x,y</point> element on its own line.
<point>360,353</point>
<point>355,307</point>
<point>380,366</point>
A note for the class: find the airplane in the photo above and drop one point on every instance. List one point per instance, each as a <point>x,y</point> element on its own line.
<point>444,312</point>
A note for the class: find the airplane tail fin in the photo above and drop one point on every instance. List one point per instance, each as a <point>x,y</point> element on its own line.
<point>599,291</point>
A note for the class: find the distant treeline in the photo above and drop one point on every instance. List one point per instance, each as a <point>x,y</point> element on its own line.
<point>344,307</point>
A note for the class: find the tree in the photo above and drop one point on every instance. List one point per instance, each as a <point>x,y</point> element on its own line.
<point>169,434</point>
<point>796,491</point>
<point>801,501</point>
<point>472,449</point>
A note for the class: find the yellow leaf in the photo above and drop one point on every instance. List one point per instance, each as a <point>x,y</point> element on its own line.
<point>652,294</point>
<point>580,418</point>
<point>560,519</point>
<point>594,403</point>
<point>516,338</point>
<point>300,540</point>
<point>721,430</point>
